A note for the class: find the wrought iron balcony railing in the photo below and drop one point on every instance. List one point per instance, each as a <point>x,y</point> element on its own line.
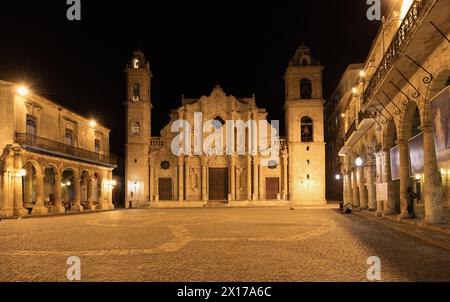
<point>45,144</point>
<point>397,46</point>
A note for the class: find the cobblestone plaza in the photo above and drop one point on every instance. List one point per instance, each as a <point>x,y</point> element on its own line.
<point>218,244</point>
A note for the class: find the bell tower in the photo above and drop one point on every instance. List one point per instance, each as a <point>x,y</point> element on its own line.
<point>138,131</point>
<point>305,129</point>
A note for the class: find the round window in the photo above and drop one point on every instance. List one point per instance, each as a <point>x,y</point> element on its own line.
<point>165,165</point>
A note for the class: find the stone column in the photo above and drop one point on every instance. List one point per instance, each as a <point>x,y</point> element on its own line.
<point>355,192</point>
<point>389,204</point>
<point>379,169</point>
<point>362,189</point>
<point>152,181</point>
<point>204,182</point>
<point>110,192</point>
<point>432,180</point>
<point>76,202</point>
<point>156,182</point>
<point>232,178</point>
<point>285,177</point>
<point>249,178</point>
<point>89,184</point>
<point>255,178</point>
<point>39,208</point>
<point>404,177</point>
<point>187,179</point>
<point>180,179</point>
<point>371,190</point>
<point>57,207</point>
<point>16,180</point>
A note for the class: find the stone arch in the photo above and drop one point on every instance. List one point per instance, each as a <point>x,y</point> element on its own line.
<point>390,135</point>
<point>52,179</point>
<point>97,187</point>
<point>411,121</point>
<point>70,180</point>
<point>440,81</point>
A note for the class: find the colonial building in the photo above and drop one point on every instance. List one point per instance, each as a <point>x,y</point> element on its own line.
<point>52,159</point>
<point>334,116</point>
<point>392,125</point>
<point>157,176</point>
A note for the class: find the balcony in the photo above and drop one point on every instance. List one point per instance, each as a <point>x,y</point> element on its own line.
<point>156,144</point>
<point>355,132</point>
<point>420,32</point>
<point>54,148</point>
<point>398,45</point>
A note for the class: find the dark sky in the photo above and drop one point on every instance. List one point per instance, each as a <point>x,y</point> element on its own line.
<point>242,45</point>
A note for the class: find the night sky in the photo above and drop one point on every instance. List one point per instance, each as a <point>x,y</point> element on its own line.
<point>192,46</point>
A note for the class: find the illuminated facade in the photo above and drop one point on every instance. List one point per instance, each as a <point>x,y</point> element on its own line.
<point>392,122</point>
<point>53,160</point>
<point>156,177</point>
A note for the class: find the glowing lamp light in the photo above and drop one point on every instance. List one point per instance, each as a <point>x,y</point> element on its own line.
<point>22,172</point>
<point>92,123</point>
<point>68,183</point>
<point>418,177</point>
<point>338,177</point>
<point>342,114</point>
<point>22,90</point>
<point>354,90</point>
<point>362,73</point>
<point>358,161</point>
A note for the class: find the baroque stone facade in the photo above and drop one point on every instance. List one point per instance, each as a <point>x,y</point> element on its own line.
<point>384,117</point>
<point>158,177</point>
<point>52,159</point>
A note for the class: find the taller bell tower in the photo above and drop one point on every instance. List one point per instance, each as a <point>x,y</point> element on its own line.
<point>305,129</point>
<point>138,131</point>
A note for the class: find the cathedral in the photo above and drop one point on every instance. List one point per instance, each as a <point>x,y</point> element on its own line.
<point>156,176</point>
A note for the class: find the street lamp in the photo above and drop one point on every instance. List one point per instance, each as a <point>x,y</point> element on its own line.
<point>92,123</point>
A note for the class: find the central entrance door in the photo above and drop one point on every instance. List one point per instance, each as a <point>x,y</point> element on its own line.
<point>218,184</point>
<point>165,188</point>
<point>272,188</point>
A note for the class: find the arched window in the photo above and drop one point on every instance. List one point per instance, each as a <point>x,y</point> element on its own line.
<point>136,92</point>
<point>306,130</point>
<point>135,128</point>
<point>305,89</point>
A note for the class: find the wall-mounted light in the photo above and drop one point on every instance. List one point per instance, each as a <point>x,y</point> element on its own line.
<point>418,177</point>
<point>22,173</point>
<point>354,90</point>
<point>92,123</point>
<point>68,183</point>
<point>337,177</point>
<point>362,73</point>
<point>358,161</point>
<point>22,90</point>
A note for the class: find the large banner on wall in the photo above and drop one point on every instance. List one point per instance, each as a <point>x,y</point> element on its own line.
<point>395,163</point>
<point>416,154</point>
<point>440,110</point>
